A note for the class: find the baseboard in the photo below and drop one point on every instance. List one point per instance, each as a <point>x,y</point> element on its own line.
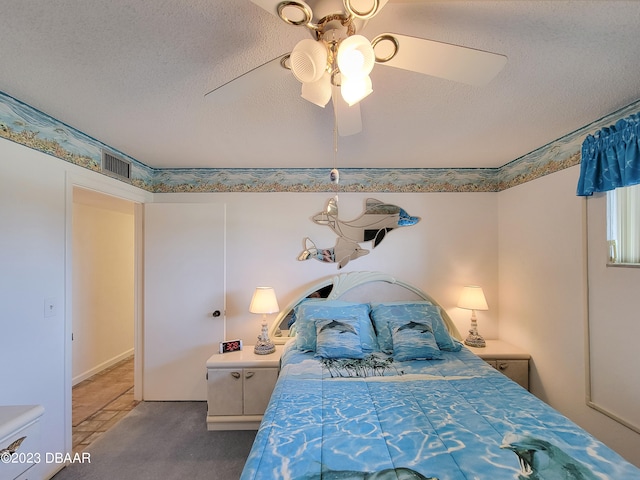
<point>101,367</point>
<point>233,422</point>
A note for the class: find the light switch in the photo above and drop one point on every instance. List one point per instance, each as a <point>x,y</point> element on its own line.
<point>50,307</point>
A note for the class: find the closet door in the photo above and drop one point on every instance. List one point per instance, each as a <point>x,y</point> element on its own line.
<point>183,285</point>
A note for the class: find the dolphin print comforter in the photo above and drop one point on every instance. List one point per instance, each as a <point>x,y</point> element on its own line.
<point>447,419</point>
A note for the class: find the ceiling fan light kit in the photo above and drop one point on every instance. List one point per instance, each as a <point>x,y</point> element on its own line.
<point>337,57</point>
<point>319,64</point>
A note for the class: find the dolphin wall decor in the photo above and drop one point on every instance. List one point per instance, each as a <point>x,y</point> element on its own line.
<point>377,219</point>
<point>341,253</point>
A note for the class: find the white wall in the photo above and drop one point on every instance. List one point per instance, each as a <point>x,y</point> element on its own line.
<point>542,298</point>
<point>103,282</point>
<point>455,243</point>
<point>32,260</point>
<point>35,239</point>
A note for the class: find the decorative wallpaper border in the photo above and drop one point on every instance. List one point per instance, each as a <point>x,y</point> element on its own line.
<point>27,126</point>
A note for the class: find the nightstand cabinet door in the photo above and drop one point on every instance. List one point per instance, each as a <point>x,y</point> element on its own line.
<point>516,370</point>
<point>258,385</point>
<point>224,391</point>
<point>239,387</point>
<point>239,391</point>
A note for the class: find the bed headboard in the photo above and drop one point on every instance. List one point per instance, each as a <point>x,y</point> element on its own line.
<point>360,287</point>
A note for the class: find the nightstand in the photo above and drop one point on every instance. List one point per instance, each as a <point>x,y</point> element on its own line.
<point>239,386</point>
<point>506,358</point>
<point>21,422</point>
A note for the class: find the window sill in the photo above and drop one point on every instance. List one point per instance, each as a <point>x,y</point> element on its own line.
<point>625,265</point>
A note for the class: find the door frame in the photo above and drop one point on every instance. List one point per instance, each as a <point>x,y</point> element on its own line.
<point>108,186</point>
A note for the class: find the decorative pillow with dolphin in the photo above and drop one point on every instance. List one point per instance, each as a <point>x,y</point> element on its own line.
<point>338,338</point>
<point>307,312</point>
<point>420,311</point>
<point>413,340</point>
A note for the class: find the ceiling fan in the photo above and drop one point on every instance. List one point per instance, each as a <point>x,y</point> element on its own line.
<point>334,64</point>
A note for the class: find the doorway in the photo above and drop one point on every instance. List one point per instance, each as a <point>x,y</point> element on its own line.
<point>103,307</point>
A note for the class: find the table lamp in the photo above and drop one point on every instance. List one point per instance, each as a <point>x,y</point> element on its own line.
<point>264,301</point>
<point>472,298</point>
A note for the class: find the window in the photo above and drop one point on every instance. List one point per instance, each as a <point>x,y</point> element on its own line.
<point>623,225</point>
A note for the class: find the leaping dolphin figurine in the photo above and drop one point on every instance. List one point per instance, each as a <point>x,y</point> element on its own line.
<point>373,224</point>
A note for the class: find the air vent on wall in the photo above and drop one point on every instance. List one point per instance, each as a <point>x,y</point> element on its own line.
<point>115,165</point>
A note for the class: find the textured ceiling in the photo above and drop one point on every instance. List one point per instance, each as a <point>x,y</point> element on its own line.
<point>133,74</point>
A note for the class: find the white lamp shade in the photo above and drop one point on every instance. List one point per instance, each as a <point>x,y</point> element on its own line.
<point>318,92</point>
<point>472,298</point>
<point>355,89</point>
<point>356,57</point>
<point>264,301</point>
<point>308,60</point>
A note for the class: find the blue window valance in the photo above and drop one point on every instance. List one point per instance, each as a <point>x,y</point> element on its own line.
<point>611,157</point>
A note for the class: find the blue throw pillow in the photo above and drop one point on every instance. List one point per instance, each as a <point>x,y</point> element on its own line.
<point>413,340</point>
<point>383,313</point>
<point>338,338</point>
<point>307,312</point>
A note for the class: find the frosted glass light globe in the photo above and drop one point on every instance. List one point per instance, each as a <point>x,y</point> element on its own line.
<point>356,57</point>
<point>308,60</point>
<point>318,92</point>
<point>355,89</point>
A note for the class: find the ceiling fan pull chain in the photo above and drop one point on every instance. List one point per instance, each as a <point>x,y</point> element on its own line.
<point>334,175</point>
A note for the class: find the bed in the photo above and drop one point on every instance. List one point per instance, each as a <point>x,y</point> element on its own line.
<point>375,384</point>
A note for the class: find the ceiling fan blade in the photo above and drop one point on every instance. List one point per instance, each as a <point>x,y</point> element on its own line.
<point>254,80</point>
<point>348,118</point>
<point>438,59</point>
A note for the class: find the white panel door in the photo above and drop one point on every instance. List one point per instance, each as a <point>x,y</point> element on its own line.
<point>184,285</point>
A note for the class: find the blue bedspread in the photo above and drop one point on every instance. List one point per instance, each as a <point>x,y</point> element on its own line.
<point>455,418</point>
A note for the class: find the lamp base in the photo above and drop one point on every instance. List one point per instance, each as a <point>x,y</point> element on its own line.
<point>264,345</point>
<point>264,348</point>
<point>475,341</point>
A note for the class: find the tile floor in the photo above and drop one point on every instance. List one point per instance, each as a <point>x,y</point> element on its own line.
<point>99,402</point>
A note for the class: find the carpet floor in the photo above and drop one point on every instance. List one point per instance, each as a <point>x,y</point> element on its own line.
<point>167,440</point>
